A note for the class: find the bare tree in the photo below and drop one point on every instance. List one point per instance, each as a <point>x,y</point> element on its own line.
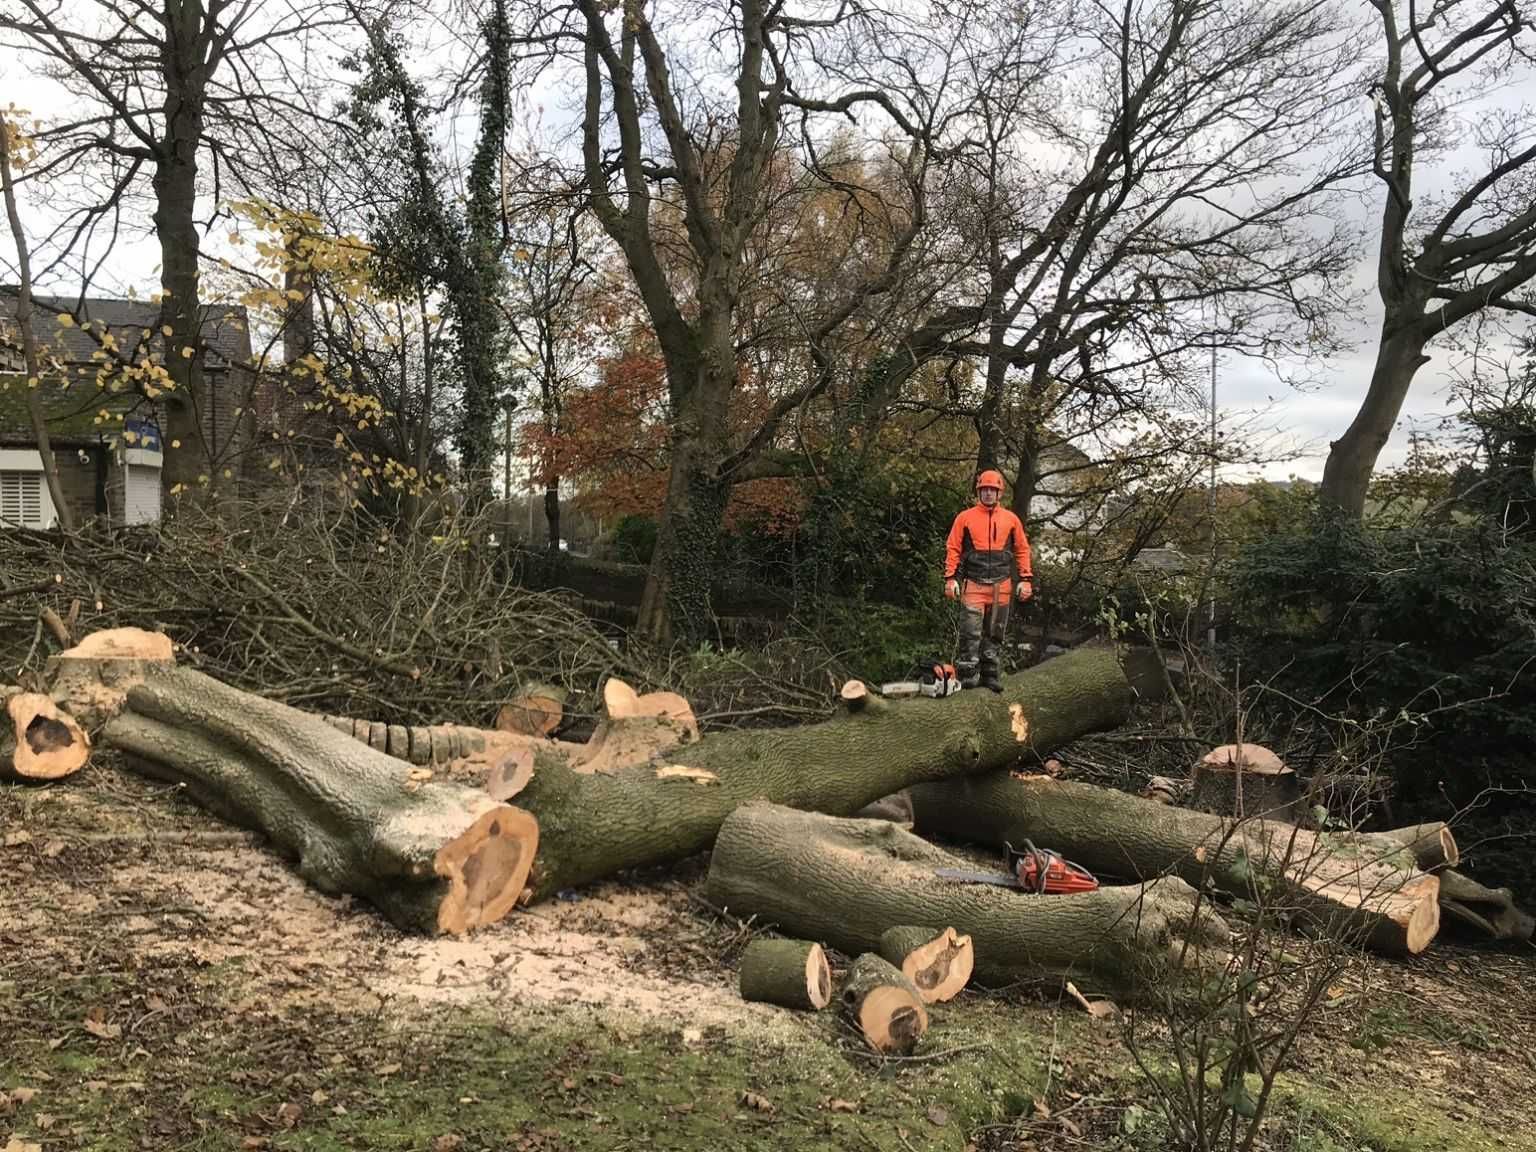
<point>654,129</point>
<point>1191,211</point>
<point>1443,257</point>
<point>170,90</point>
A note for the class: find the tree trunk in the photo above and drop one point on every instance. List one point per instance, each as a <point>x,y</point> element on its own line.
<point>848,882</point>
<point>61,508</point>
<point>597,824</point>
<point>1246,780</point>
<point>675,604</point>
<point>789,973</point>
<point>185,75</point>
<point>884,1006</point>
<point>552,511</point>
<point>939,964</point>
<point>434,857</point>
<point>1352,457</point>
<point>1363,889</point>
<point>1487,912</point>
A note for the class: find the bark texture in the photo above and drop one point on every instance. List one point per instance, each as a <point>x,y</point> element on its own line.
<point>593,825</point>
<point>1246,780</point>
<point>849,882</point>
<point>536,710</point>
<point>434,857</point>
<point>789,973</point>
<point>1487,912</point>
<point>1363,890</point>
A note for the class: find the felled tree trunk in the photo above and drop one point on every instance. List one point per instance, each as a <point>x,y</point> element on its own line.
<point>434,857</point>
<point>789,973</point>
<point>848,882</point>
<point>883,1005</point>
<point>594,824</point>
<point>1364,889</point>
<point>939,964</point>
<point>38,742</point>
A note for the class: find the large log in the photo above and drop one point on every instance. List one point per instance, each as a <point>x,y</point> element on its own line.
<point>594,824</point>
<point>1363,889</point>
<point>1488,912</point>
<point>848,882</point>
<point>435,857</point>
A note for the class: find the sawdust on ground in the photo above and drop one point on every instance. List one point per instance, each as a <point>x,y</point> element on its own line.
<point>166,882</point>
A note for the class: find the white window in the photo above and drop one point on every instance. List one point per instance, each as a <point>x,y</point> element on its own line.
<point>141,494</point>
<point>11,358</point>
<point>24,500</point>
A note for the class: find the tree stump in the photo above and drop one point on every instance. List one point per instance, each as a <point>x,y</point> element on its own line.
<point>1241,780</point>
<point>536,710</point>
<point>883,1005</point>
<point>939,964</point>
<point>789,973</point>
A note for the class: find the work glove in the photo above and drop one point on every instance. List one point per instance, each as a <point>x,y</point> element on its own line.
<point>1025,590</point>
<point>952,589</point>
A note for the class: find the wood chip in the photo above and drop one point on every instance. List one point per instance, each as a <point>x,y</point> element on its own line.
<point>684,772</point>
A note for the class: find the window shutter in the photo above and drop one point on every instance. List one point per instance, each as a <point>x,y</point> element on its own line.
<point>21,499</point>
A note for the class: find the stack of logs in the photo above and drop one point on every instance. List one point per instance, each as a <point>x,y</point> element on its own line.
<point>447,829</point>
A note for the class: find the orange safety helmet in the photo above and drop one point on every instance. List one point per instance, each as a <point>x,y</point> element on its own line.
<point>990,479</point>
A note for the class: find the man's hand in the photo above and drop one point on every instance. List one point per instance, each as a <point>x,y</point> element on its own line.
<point>952,589</point>
<point>1025,590</point>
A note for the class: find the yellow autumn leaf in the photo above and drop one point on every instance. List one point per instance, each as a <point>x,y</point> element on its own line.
<point>186,353</point>
<point>175,443</point>
<point>165,329</point>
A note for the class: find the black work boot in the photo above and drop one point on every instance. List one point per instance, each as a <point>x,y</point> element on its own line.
<point>968,675</point>
<point>990,679</point>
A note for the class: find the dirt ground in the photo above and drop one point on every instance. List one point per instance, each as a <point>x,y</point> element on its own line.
<point>166,982</point>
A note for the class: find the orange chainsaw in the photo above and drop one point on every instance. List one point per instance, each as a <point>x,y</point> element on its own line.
<point>1034,870</point>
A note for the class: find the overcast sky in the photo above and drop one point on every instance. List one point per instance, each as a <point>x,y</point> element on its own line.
<point>1303,420</point>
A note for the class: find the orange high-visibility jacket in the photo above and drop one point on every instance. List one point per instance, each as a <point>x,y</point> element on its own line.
<point>987,545</point>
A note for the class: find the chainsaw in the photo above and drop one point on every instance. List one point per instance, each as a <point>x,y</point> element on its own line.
<point>935,679</point>
<point>1035,870</point>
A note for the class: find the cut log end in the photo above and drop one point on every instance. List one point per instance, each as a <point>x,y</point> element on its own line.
<point>883,1004</point>
<point>486,868</point>
<point>510,771</point>
<point>92,679</point>
<point>42,743</point>
<point>939,964</point>
<point>536,710</point>
<point>789,973</point>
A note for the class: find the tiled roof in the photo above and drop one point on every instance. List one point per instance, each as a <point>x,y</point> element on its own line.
<point>72,410</point>
<point>225,329</point>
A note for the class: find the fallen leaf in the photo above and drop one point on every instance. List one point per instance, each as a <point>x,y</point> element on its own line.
<point>1200,854</point>
<point>1072,1129</point>
<point>290,1114</point>
<point>567,1085</point>
<point>419,774</point>
<point>254,1142</point>
<point>45,1121</point>
<point>17,1144</point>
<point>318,1097</point>
<point>386,1069</point>
<point>447,1142</point>
<point>23,1095</point>
<point>102,1030</point>
<point>842,1106</point>
<point>154,1003</point>
<point>339,1110</point>
<point>54,849</point>
<point>757,1103</point>
<point>615,1079</point>
<point>1041,1108</point>
<point>937,1116</point>
<point>96,1085</point>
<point>17,839</point>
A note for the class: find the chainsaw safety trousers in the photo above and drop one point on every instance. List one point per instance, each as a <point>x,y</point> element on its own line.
<point>982,627</point>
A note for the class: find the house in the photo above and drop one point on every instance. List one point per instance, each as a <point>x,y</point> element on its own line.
<point>108,442</point>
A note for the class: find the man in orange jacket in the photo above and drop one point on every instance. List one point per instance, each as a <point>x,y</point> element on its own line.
<point>987,551</point>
